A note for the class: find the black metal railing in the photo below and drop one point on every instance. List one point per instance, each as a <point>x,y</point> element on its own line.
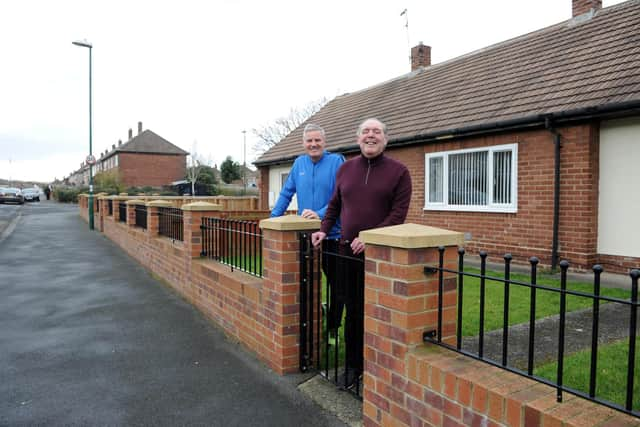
<point>324,277</point>
<point>623,311</point>
<point>141,216</point>
<point>233,242</point>
<point>122,212</point>
<point>170,223</point>
<point>110,207</point>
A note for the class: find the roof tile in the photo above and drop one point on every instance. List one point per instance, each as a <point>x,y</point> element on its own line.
<point>566,66</point>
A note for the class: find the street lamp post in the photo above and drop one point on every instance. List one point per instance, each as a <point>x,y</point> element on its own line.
<point>90,159</point>
<point>244,161</point>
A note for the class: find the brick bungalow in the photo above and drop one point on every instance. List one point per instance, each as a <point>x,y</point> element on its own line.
<point>144,160</point>
<point>529,146</point>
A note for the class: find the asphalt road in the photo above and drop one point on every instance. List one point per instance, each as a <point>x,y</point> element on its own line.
<point>8,213</point>
<point>88,337</point>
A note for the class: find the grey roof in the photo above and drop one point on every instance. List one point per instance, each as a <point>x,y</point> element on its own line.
<point>591,61</point>
<point>148,142</point>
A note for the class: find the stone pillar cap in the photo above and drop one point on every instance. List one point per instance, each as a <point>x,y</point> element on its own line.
<point>412,236</point>
<point>290,223</point>
<point>135,202</point>
<point>201,206</point>
<point>159,203</point>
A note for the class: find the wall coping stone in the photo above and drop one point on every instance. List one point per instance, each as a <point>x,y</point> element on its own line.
<point>123,194</point>
<point>201,206</point>
<point>412,236</point>
<point>159,203</point>
<point>290,223</point>
<point>134,202</point>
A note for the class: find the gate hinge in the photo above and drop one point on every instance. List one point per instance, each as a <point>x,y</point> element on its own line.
<point>430,270</point>
<point>429,336</point>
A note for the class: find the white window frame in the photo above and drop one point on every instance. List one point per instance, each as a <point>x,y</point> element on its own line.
<point>490,207</point>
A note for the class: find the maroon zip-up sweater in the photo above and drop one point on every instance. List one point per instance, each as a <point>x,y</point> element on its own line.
<point>369,193</point>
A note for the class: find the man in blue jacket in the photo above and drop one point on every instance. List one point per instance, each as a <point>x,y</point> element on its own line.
<point>312,178</point>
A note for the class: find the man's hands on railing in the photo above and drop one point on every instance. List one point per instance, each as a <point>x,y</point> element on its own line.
<point>309,214</point>
<point>317,238</point>
<point>357,246</point>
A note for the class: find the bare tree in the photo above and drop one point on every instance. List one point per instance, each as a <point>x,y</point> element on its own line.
<point>195,163</point>
<point>272,133</point>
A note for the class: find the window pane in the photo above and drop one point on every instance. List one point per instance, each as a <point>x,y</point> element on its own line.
<point>502,177</point>
<point>435,180</point>
<point>468,178</point>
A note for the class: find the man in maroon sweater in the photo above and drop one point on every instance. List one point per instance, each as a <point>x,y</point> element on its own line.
<point>372,190</point>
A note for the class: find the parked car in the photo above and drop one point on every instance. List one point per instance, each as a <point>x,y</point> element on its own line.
<point>31,195</point>
<point>11,195</point>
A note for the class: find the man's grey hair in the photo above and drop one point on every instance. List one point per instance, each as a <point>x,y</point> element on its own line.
<point>382,125</point>
<point>313,128</point>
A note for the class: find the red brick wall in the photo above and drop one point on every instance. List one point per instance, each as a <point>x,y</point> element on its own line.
<point>137,169</point>
<point>242,305</point>
<point>408,383</point>
<point>529,231</point>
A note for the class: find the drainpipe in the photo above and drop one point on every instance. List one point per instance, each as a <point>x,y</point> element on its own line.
<point>556,193</point>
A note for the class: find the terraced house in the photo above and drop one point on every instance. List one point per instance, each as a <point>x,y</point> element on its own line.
<point>530,146</point>
<point>146,159</point>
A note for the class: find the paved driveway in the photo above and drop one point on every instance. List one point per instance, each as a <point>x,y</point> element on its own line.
<point>88,337</point>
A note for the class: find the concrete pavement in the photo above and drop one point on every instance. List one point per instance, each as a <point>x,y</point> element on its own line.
<point>88,337</point>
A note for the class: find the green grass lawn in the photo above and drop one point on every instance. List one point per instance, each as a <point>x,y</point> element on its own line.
<point>611,373</point>
<point>612,359</point>
<point>247,263</point>
<point>547,302</point>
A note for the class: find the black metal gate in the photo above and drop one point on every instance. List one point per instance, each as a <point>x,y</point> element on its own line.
<point>322,344</point>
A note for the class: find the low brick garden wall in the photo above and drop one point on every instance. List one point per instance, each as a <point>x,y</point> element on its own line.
<point>406,382</point>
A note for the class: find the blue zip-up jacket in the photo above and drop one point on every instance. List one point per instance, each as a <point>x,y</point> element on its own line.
<point>314,184</point>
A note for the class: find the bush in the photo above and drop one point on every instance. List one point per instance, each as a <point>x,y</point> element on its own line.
<point>68,195</point>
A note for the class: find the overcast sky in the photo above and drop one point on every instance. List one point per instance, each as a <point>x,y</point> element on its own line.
<point>199,72</point>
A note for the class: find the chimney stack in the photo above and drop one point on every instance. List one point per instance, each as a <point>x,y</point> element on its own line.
<point>130,134</point>
<point>139,128</point>
<point>420,56</point>
<point>119,142</point>
<point>580,7</point>
<point>113,147</point>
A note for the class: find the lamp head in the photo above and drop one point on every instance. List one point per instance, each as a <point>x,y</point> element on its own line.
<point>83,43</point>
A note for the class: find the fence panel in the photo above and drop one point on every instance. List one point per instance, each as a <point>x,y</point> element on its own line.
<point>235,243</point>
<point>141,216</point>
<point>170,223</point>
<point>575,333</point>
<point>122,212</point>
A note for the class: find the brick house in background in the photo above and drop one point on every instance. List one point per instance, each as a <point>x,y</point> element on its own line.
<point>144,160</point>
<point>529,146</point>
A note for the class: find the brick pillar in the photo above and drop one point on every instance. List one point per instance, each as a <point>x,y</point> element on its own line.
<point>131,211</point>
<point>192,216</point>
<point>81,204</point>
<point>116,208</point>
<point>153,218</point>
<point>281,274</point>
<point>401,303</point>
<point>102,203</point>
<point>98,210</point>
